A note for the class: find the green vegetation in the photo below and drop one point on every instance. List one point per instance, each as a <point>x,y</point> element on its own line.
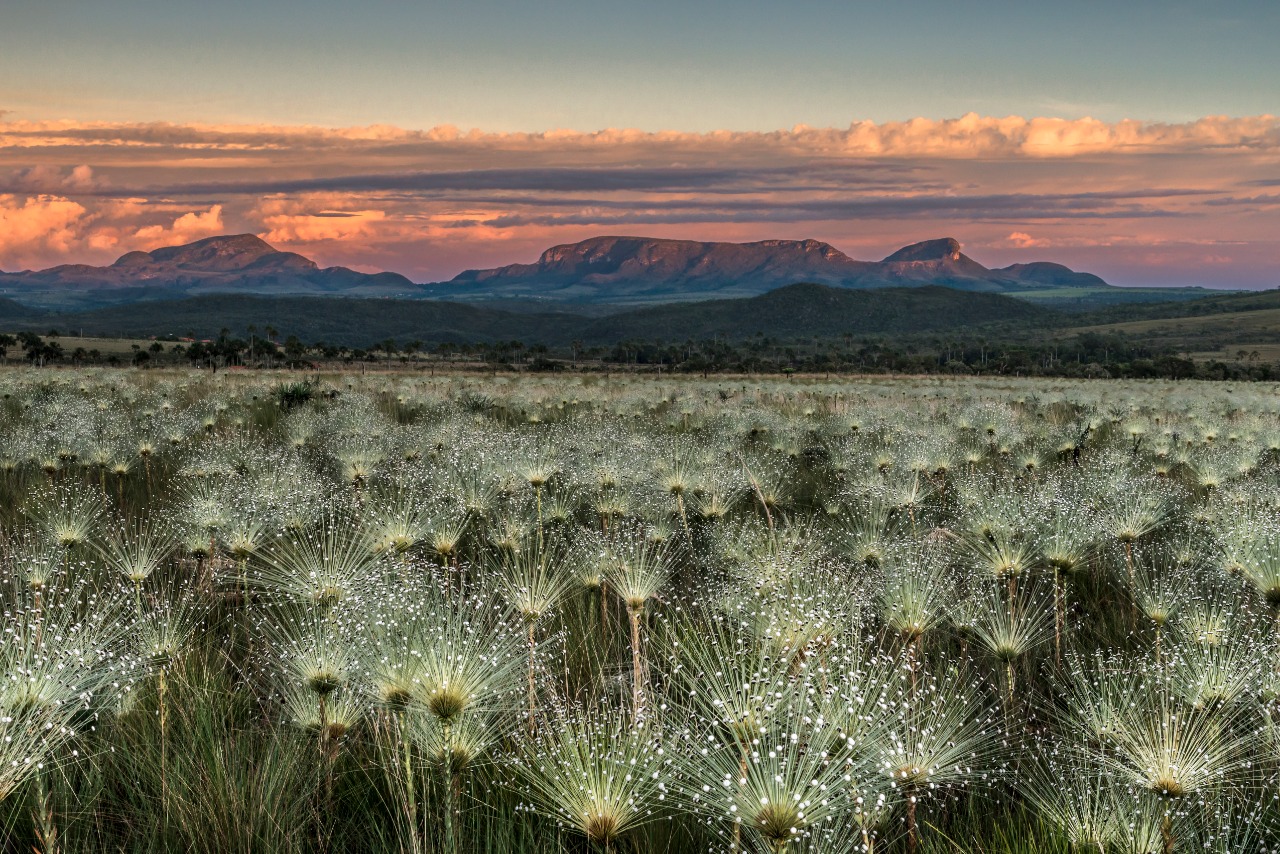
<point>247,611</point>
<point>791,312</point>
<point>797,328</point>
<point>1224,330</point>
<point>1088,354</point>
<point>801,328</point>
<point>817,311</point>
<point>1080,299</point>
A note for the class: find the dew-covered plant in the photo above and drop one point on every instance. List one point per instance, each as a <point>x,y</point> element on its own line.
<point>457,613</point>
<point>637,571</point>
<point>596,772</point>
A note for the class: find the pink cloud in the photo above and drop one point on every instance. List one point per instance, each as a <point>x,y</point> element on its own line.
<point>38,231</point>
<point>1022,240</point>
<point>970,135</point>
<point>35,228</point>
<point>432,202</point>
<point>314,219</point>
<point>185,229</point>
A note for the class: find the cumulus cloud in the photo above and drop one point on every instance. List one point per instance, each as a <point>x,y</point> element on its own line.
<point>50,179</point>
<point>1022,240</point>
<point>310,220</point>
<point>37,227</point>
<point>39,231</point>
<point>185,229</point>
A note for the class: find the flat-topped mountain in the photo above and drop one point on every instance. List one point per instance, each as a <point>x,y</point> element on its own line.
<point>640,269</point>
<point>603,261</point>
<point>238,263</point>
<point>215,255</point>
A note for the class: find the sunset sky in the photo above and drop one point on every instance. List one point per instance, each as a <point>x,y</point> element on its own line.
<point>1137,140</point>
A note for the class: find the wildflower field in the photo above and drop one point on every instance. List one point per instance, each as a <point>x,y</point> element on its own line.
<point>251,612</point>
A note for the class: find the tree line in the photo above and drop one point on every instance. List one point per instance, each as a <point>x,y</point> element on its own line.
<point>1088,355</point>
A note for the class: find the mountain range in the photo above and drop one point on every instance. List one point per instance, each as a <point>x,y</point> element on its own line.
<point>640,269</point>
<point>595,273</point>
<point>801,313</point>
<point>238,263</point>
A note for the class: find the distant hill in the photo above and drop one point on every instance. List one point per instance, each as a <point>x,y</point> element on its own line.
<point>801,311</point>
<point>1227,322</point>
<point>1217,303</point>
<point>647,270</point>
<point>592,277</point>
<point>807,311</point>
<point>356,322</point>
<point>239,263</point>
<point>15,311</point>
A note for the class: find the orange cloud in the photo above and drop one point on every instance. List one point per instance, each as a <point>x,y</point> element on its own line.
<point>431,202</point>
<point>185,229</point>
<point>310,220</point>
<point>970,135</point>
<point>1022,240</point>
<point>37,231</point>
<point>37,227</point>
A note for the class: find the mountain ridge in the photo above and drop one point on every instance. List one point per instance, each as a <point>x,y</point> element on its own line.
<point>615,268</point>
<point>602,272</point>
<point>236,263</point>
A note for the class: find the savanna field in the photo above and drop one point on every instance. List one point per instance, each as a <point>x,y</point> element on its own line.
<point>398,613</point>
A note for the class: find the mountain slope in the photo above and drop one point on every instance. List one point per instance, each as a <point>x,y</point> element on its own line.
<point>356,322</point>
<point>796,312</point>
<point>1227,323</point>
<point>639,270</point>
<point>238,263</point>
<point>1216,304</point>
<point>1048,273</point>
<point>809,310</point>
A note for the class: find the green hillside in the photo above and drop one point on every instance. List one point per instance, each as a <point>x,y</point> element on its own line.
<point>1228,322</point>
<point>1087,298</point>
<point>817,311</point>
<point>336,320</point>
<point>799,311</point>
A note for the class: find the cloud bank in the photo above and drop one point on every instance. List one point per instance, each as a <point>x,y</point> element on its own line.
<point>1140,203</point>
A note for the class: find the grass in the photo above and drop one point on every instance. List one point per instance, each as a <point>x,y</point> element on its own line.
<point>1262,326</point>
<point>1094,298</point>
<point>112,346</point>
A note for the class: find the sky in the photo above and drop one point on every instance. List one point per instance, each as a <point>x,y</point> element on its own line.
<point>1137,140</point>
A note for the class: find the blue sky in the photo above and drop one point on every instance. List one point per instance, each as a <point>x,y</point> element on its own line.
<point>692,66</point>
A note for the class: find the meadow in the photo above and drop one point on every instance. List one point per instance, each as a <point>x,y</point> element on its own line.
<point>252,611</point>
